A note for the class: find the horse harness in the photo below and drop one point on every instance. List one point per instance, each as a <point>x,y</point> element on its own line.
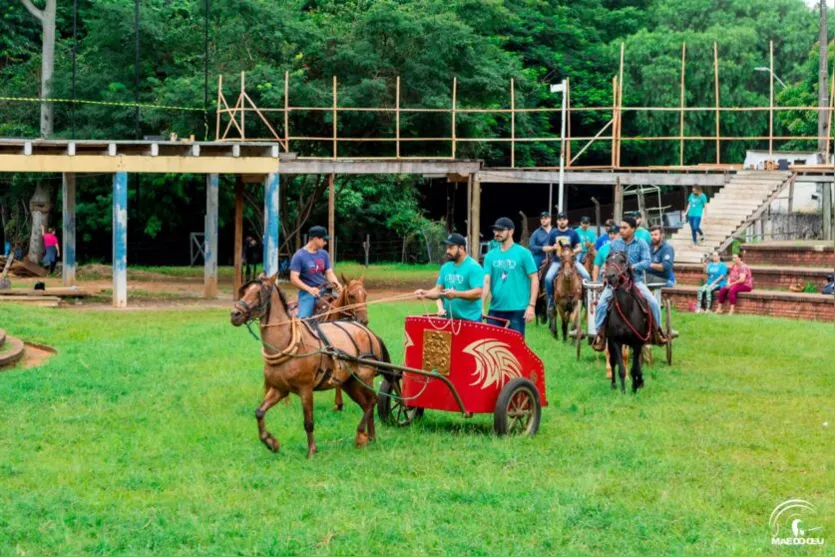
<point>626,283</point>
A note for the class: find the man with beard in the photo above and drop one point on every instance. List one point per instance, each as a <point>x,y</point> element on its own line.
<point>663,258</point>
<point>459,283</point>
<point>539,238</point>
<point>510,281</point>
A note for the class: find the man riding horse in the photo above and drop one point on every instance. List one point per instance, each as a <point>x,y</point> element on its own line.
<point>311,271</point>
<point>637,252</point>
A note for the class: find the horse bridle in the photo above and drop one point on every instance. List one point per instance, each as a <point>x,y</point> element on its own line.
<point>252,312</point>
<point>352,313</point>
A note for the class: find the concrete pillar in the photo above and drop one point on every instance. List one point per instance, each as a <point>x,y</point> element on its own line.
<point>120,239</point>
<point>827,211</point>
<point>617,212</point>
<point>68,217</point>
<point>271,226</point>
<point>210,238</point>
<point>239,236</point>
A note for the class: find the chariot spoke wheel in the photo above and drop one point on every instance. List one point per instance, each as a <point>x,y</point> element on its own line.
<point>518,409</point>
<point>391,407</point>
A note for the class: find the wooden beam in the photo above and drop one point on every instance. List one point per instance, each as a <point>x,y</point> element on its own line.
<point>287,111</point>
<point>513,124</point>
<point>620,102</point>
<point>120,239</point>
<point>475,216</point>
<point>145,164</point>
<point>210,238</point>
<point>239,236</point>
<point>332,217</point>
<point>681,103</point>
<point>68,218</point>
<point>568,123</point>
<point>397,117</point>
<point>716,92</point>
<point>454,100</point>
<point>335,140</point>
<point>618,197</point>
<point>771,101</point>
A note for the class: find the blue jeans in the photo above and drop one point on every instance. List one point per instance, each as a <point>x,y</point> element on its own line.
<point>307,302</point>
<point>695,226</point>
<point>538,259</point>
<point>552,274</point>
<point>606,298</point>
<point>516,319</point>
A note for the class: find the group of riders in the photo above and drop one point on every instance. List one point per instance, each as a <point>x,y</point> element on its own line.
<point>507,285</point>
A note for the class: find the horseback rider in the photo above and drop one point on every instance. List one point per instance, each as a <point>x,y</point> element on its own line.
<point>587,235</point>
<point>560,235</point>
<point>459,283</point>
<point>637,253</point>
<point>539,238</point>
<point>600,259</point>
<point>311,271</point>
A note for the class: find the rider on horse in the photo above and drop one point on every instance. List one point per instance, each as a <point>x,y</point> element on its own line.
<point>311,271</point>
<point>637,252</point>
<point>559,235</point>
<point>539,239</point>
<point>459,283</point>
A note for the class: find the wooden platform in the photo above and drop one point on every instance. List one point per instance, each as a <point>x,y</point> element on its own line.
<point>814,307</point>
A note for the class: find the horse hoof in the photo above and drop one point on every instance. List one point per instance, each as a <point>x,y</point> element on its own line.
<point>311,451</point>
<point>362,440</point>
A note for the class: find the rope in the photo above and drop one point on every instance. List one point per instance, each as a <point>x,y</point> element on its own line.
<point>99,103</point>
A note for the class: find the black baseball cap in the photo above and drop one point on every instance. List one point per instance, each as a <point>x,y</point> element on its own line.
<point>455,239</point>
<point>614,230</point>
<point>544,214</point>
<point>562,216</point>
<point>504,223</point>
<point>318,232</point>
<point>585,220</point>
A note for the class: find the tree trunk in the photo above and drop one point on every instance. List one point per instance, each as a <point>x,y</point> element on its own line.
<point>47,66</point>
<point>39,205</point>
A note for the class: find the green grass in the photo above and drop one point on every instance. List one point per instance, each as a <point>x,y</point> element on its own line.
<point>139,438</point>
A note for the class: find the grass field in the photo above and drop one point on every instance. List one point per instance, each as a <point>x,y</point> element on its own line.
<point>139,438</point>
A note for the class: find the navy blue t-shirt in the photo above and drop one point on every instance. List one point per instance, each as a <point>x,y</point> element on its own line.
<point>311,266</point>
<point>569,233</point>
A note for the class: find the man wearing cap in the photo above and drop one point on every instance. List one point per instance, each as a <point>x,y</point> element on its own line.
<point>311,271</point>
<point>561,235</point>
<point>587,237</point>
<point>511,284</point>
<point>539,238</point>
<point>637,253</point>
<point>604,238</point>
<point>459,282</point>
<point>663,258</point>
<point>603,253</point>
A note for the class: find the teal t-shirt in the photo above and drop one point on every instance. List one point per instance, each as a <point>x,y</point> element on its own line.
<point>697,204</point>
<point>586,236</point>
<point>510,285</point>
<point>643,234</point>
<point>465,276</point>
<point>602,254</point>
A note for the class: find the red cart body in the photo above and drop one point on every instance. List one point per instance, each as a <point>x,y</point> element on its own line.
<point>478,359</point>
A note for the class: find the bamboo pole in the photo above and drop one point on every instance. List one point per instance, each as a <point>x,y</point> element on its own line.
<point>716,91</point>
<point>219,94</point>
<point>335,151</point>
<point>771,101</point>
<point>614,115</point>
<point>587,145</point>
<point>454,98</point>
<point>287,111</point>
<point>243,112</point>
<point>568,123</point>
<point>829,114</point>
<point>332,216</point>
<point>620,100</point>
<point>681,103</point>
<point>512,125</point>
<point>397,116</point>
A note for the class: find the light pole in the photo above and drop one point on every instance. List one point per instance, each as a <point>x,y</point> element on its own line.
<point>763,69</point>
<point>559,88</point>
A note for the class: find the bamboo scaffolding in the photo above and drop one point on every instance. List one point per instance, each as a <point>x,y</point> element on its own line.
<point>535,110</point>
<point>219,95</point>
<point>454,97</point>
<point>590,141</point>
<point>620,102</point>
<point>512,125</point>
<point>771,100</point>
<point>287,111</point>
<point>568,123</point>
<point>397,117</point>
<point>829,114</point>
<point>243,112</point>
<point>716,90</point>
<point>614,115</point>
<point>681,102</point>
<point>335,139</point>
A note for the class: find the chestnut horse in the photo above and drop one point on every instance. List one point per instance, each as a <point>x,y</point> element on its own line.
<point>588,262</point>
<point>568,292</point>
<point>302,358</point>
<point>353,299</point>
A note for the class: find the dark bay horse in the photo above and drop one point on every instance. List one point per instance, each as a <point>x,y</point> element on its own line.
<point>568,292</point>
<point>299,358</point>
<point>629,321</point>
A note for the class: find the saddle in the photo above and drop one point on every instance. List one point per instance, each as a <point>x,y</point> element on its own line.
<point>323,305</point>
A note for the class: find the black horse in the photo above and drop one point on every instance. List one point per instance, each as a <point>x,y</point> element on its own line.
<point>629,321</point>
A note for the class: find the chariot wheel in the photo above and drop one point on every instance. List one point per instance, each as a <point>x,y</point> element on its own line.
<point>392,409</point>
<point>518,409</point>
<point>668,330</point>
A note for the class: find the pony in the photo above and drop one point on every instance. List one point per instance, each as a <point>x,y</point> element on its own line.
<point>568,293</point>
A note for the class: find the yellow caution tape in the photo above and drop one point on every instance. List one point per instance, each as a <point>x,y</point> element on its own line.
<point>100,103</point>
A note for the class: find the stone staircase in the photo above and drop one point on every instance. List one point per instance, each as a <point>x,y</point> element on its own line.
<point>742,200</point>
<point>11,350</point>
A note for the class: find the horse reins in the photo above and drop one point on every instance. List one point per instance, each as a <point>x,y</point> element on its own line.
<point>625,282</point>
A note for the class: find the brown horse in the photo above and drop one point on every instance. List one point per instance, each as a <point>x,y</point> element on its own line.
<point>352,305</point>
<point>302,358</point>
<point>568,293</point>
<point>588,262</point>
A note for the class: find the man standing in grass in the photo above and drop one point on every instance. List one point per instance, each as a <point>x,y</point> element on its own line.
<point>311,270</point>
<point>510,281</point>
<point>459,283</point>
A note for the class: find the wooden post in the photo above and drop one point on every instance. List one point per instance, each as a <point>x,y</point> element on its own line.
<point>771,101</point>
<point>243,106</point>
<point>287,111</point>
<point>568,123</point>
<point>68,217</point>
<point>397,117</point>
<point>470,212</point>
<point>618,205</point>
<point>829,114</point>
<point>681,103</point>
<point>454,99</point>
<point>614,117</point>
<point>475,218</point>
<point>239,236</point>
<point>334,119</point>
<point>120,239</point>
<point>217,112</point>
<point>716,91</point>
<point>366,246</point>
<point>620,102</point>
<point>271,224</point>
<point>332,217</point>
<point>513,125</point>
<point>210,238</point>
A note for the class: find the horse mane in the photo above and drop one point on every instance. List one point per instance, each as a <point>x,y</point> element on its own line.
<point>282,299</point>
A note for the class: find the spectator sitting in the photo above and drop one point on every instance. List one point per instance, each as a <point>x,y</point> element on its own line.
<point>604,238</point>
<point>717,277</point>
<point>603,252</point>
<point>663,258</point>
<point>587,235</point>
<point>739,280</point>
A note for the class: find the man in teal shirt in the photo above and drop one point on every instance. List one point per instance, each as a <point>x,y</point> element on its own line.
<point>459,283</point>
<point>603,253</point>
<point>587,237</point>
<point>641,232</point>
<point>511,283</point>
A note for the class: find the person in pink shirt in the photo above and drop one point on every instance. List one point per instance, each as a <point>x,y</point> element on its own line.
<point>739,280</point>
<point>53,252</point>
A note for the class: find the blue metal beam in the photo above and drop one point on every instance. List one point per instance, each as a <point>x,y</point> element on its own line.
<point>120,239</point>
<point>210,238</point>
<point>271,225</point>
<point>68,217</point>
